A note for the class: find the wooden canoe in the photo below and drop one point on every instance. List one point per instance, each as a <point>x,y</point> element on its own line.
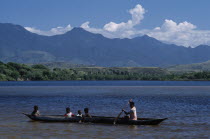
<point>95,119</point>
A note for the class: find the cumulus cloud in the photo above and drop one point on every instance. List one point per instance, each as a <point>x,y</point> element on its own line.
<point>105,33</point>
<point>184,33</point>
<point>137,15</point>
<point>51,32</point>
<point>120,30</point>
<point>85,25</point>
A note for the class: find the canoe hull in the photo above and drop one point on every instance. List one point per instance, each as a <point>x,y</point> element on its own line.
<point>96,119</point>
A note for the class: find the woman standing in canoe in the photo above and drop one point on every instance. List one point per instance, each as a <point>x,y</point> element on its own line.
<point>132,112</point>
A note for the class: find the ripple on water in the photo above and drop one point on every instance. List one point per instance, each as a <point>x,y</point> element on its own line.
<point>188,112</point>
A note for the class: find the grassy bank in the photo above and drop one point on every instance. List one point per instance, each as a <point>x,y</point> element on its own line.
<point>21,72</point>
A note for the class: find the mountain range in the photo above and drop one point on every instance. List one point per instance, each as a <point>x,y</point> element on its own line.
<point>79,46</point>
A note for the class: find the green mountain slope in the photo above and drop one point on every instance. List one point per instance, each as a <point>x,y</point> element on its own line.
<point>205,66</point>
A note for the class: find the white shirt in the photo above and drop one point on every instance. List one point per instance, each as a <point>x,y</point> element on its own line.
<point>133,115</point>
<point>68,115</point>
<point>79,115</point>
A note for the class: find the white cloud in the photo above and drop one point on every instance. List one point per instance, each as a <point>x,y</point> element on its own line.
<point>137,15</point>
<point>170,25</point>
<point>119,30</point>
<point>51,32</point>
<point>85,25</point>
<point>185,33</point>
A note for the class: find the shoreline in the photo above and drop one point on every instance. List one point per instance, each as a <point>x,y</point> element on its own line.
<point>100,80</point>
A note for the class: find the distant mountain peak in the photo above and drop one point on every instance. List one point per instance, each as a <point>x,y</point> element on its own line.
<point>146,36</point>
<point>78,29</point>
<point>147,39</point>
<point>202,46</point>
<point>83,47</point>
<point>13,30</point>
<point>11,25</point>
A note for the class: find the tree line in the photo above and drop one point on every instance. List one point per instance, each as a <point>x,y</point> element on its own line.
<point>20,72</point>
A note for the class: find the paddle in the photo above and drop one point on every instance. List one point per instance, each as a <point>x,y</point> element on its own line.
<point>115,121</point>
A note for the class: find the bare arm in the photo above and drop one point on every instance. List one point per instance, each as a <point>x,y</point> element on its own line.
<point>125,112</point>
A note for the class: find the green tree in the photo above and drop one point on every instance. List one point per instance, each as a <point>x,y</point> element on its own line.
<point>39,66</point>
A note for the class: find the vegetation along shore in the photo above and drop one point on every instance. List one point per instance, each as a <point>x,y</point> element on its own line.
<point>22,72</point>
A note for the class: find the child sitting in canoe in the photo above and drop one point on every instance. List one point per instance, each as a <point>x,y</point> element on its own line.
<point>79,113</point>
<point>68,113</point>
<point>36,111</point>
<point>86,110</point>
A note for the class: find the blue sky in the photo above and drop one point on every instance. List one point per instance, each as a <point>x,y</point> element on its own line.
<point>47,14</point>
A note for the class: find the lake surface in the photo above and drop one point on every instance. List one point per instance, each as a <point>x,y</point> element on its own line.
<point>186,104</point>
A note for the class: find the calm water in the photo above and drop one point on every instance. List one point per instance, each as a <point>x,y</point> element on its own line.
<point>186,104</point>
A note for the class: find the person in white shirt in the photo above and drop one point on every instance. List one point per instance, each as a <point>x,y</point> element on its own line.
<point>132,112</point>
<point>68,114</point>
<point>79,113</point>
